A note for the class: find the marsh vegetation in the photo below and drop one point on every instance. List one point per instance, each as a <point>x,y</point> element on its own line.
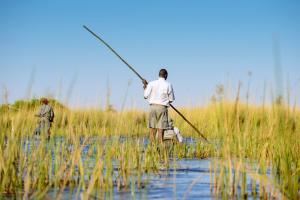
<point>253,152</point>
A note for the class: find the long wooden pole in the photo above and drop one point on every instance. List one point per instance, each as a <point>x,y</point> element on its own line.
<point>134,71</point>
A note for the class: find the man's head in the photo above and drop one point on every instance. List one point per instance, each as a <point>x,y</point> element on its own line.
<point>44,101</point>
<point>163,73</point>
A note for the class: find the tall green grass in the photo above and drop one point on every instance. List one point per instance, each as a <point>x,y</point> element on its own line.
<point>256,144</point>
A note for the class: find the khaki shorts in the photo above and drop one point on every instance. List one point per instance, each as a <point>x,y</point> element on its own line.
<point>158,117</point>
<point>43,126</point>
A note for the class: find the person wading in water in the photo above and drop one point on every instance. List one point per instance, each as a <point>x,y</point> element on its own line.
<point>159,94</point>
<point>46,115</point>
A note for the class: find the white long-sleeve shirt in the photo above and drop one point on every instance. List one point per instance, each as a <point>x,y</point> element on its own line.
<point>159,92</point>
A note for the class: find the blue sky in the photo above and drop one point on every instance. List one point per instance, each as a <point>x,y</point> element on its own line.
<point>201,43</point>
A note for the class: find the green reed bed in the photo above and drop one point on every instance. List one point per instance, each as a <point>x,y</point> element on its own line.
<point>254,145</point>
<point>33,167</point>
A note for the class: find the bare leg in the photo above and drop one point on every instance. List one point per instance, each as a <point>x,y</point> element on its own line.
<point>49,133</point>
<point>160,135</point>
<point>48,127</point>
<point>152,134</point>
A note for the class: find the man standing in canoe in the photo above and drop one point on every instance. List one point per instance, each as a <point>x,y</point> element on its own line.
<point>159,94</point>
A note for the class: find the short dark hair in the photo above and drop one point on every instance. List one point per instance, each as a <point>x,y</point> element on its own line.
<point>44,101</point>
<point>163,73</point>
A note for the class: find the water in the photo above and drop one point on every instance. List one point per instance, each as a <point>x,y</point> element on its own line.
<point>191,180</point>
<point>185,179</point>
